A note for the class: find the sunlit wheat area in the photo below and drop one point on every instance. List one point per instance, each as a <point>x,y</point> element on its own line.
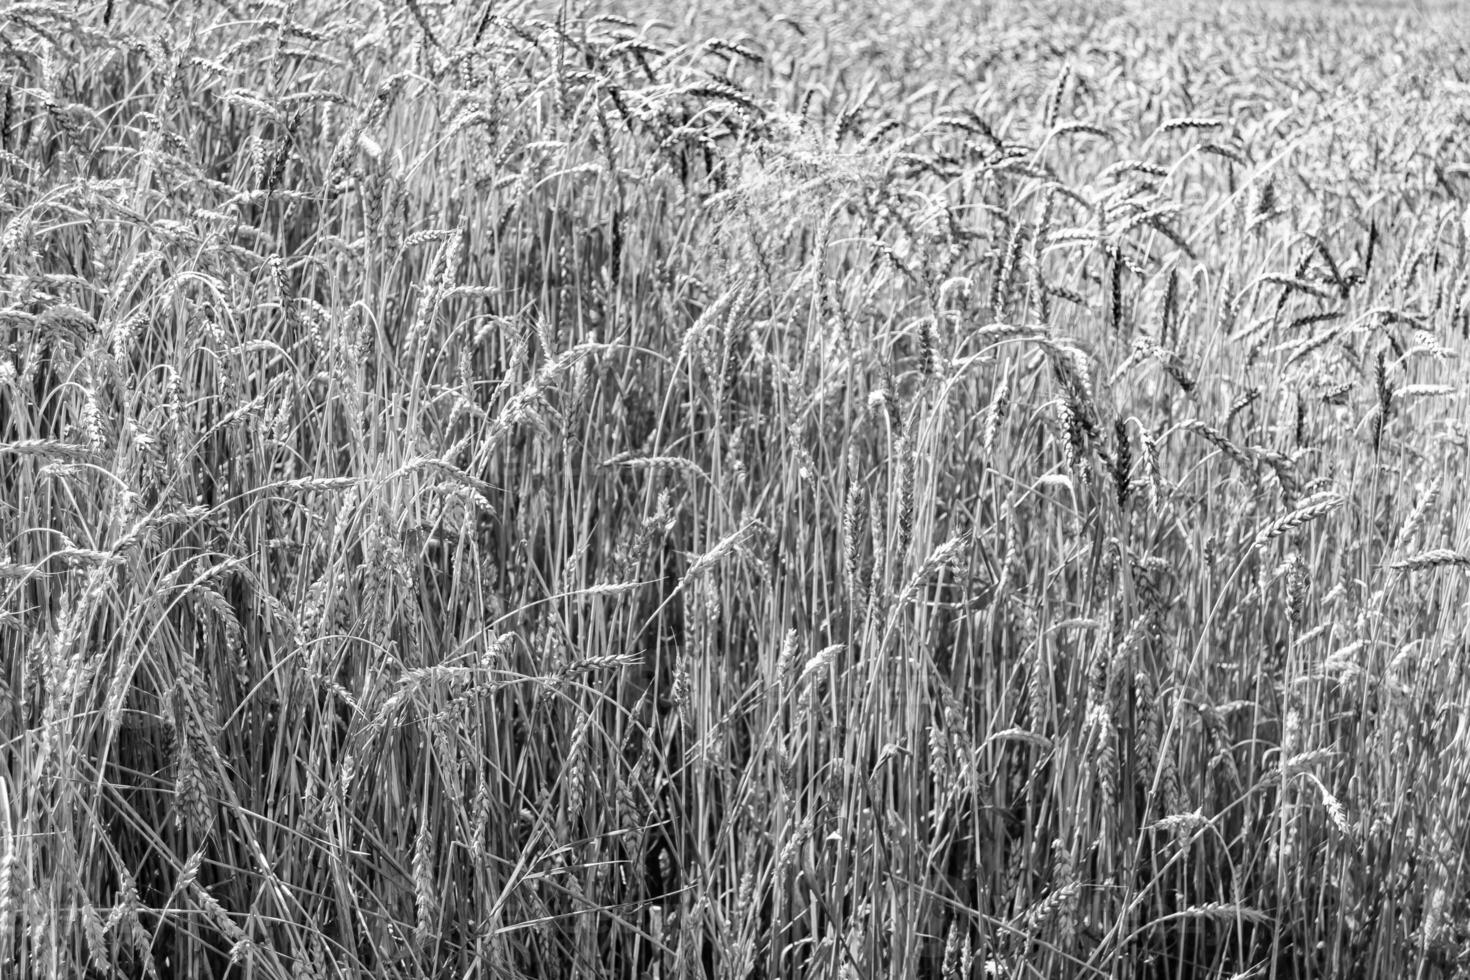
<point>850,489</point>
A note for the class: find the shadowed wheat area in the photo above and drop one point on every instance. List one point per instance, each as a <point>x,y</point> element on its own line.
<point>918,490</point>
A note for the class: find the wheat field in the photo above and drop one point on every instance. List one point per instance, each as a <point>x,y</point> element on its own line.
<point>921,490</point>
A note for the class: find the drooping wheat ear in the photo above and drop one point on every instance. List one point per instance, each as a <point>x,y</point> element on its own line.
<point>1300,428</point>
<point>1073,440</point>
<point>907,464</point>
<point>1039,688</point>
<point>1286,476</point>
<point>731,333</point>
<point>1220,442</point>
<point>209,604</point>
<point>1115,290</point>
<point>1105,757</point>
<point>1000,287</point>
<point>1292,284</point>
<point>949,970</point>
<point>940,763</point>
<point>854,524</point>
<point>577,767</point>
<point>1310,509</point>
<point>1222,750</point>
<point>722,549</point>
<point>1122,462</point>
<point>1336,812</point>
<point>786,664</point>
<point>1306,348</point>
<point>1121,658</point>
<point>1242,401</point>
<point>1073,369</point>
<point>1385,400</point>
<point>426,902</point>
<point>1011,557</point>
<point>95,934</point>
<point>882,400</point>
<point>929,347</point>
<point>1039,287</point>
<point>1296,589</point>
<point>480,806</point>
<point>1000,405</point>
<point>682,688</point>
<point>1226,912</point>
<point>876,568</point>
<point>124,921</point>
<point>1168,307</point>
<point>819,662</point>
<point>1152,763</point>
<point>1181,825</point>
<point>1434,558</point>
<point>635,461</point>
<point>1054,97</point>
<point>1265,202</point>
<point>7,112</point>
<point>1416,518</point>
<point>191,798</point>
<point>801,834</point>
<point>9,888</point>
<point>197,731</point>
<point>1191,122</point>
<point>1066,896</point>
<point>1229,301</point>
<point>444,729</point>
<point>993,334</point>
<point>942,557</point>
<point>613,661</point>
<point>221,918</point>
<point>1149,450</point>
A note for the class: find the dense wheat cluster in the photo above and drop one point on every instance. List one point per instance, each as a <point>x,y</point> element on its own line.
<point>915,490</point>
